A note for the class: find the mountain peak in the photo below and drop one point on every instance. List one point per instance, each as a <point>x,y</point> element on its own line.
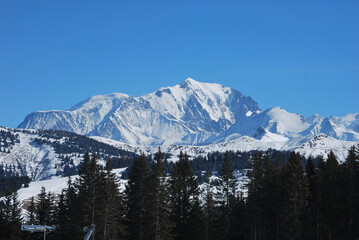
<point>190,80</point>
<point>190,83</point>
<point>212,88</point>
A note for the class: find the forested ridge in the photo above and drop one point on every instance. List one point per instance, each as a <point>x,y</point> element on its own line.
<point>18,161</point>
<point>288,197</point>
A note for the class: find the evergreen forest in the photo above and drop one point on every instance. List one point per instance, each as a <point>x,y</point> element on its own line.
<point>287,197</point>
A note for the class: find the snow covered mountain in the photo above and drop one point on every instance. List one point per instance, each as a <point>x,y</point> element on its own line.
<point>276,124</point>
<point>188,113</point>
<point>197,115</point>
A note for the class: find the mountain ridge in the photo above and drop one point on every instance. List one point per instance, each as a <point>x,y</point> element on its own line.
<point>189,113</point>
<point>193,112</point>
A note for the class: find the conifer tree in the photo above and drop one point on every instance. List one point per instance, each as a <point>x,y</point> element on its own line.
<point>226,194</point>
<point>44,207</point>
<point>295,196</point>
<point>68,214</point>
<point>239,230</point>
<point>16,217</point>
<point>330,196</point>
<point>351,194</point>
<point>138,201</point>
<point>209,211</point>
<point>11,217</point>
<point>271,196</point>
<point>95,192</point>
<point>311,215</point>
<point>256,196</point>
<point>112,206</point>
<point>196,220</point>
<point>160,194</point>
<point>61,212</point>
<point>31,215</point>
<point>186,211</point>
<point>90,193</point>
<point>83,186</point>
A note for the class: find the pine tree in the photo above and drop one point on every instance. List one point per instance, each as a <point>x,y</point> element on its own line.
<point>311,214</point>
<point>16,217</point>
<point>160,194</point>
<point>90,186</point>
<point>256,196</point>
<point>196,220</point>
<point>10,217</point>
<point>239,230</point>
<point>271,196</point>
<point>186,211</point>
<point>209,211</point>
<point>61,213</point>
<point>296,192</point>
<point>44,207</point>
<point>330,198</point>
<point>95,192</point>
<point>138,201</point>
<point>112,206</point>
<point>68,214</point>
<point>351,195</point>
<point>31,215</point>
<point>226,194</point>
<point>83,187</point>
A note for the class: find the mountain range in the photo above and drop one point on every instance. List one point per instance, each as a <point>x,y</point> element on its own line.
<point>190,113</point>
<point>194,117</point>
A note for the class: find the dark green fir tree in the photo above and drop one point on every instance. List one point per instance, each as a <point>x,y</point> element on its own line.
<point>186,210</point>
<point>226,195</point>
<point>160,194</point>
<point>139,202</point>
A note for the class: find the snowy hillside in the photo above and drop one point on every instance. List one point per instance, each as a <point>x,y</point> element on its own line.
<point>57,184</point>
<point>42,154</point>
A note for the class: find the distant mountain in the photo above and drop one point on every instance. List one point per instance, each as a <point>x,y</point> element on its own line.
<point>197,114</point>
<point>188,113</point>
<point>276,124</point>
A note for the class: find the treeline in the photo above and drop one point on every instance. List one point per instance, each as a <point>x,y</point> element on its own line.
<point>69,143</point>
<point>10,180</point>
<point>288,199</point>
<point>211,163</point>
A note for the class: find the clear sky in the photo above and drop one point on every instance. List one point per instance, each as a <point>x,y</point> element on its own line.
<point>303,56</point>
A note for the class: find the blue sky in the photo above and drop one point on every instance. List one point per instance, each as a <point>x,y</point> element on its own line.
<point>303,57</point>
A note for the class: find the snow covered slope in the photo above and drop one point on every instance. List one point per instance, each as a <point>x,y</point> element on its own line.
<point>42,154</point>
<point>57,184</point>
<point>28,157</point>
